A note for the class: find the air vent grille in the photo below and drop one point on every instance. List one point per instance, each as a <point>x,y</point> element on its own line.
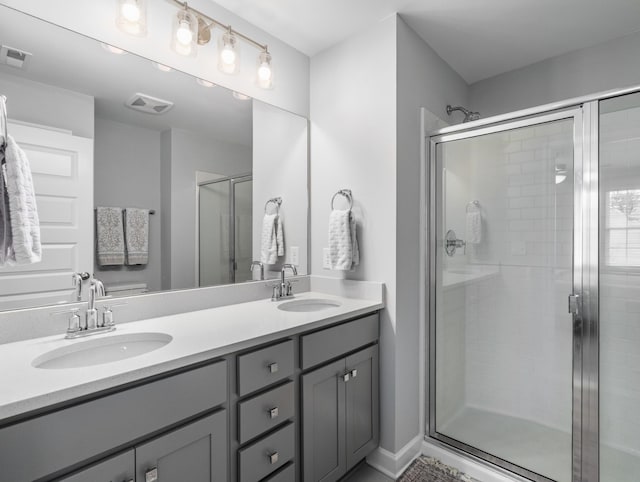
<point>148,104</point>
<point>14,57</point>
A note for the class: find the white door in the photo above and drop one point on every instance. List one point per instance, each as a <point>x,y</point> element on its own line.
<point>62,168</point>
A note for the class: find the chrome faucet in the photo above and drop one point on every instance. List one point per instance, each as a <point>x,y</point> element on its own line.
<point>257,263</point>
<point>91,324</point>
<point>283,289</point>
<point>76,282</point>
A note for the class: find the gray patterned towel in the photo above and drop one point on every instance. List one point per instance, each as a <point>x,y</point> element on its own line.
<point>136,228</point>
<point>110,236</point>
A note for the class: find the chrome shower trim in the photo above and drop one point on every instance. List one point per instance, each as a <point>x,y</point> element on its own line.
<point>533,111</point>
<point>468,115</point>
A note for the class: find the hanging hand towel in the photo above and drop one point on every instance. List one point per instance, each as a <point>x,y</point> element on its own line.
<point>272,242</point>
<point>23,212</point>
<point>473,227</point>
<point>6,247</point>
<point>110,236</point>
<point>136,234</point>
<point>343,244</point>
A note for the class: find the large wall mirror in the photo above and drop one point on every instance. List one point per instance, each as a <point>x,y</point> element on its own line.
<point>104,128</point>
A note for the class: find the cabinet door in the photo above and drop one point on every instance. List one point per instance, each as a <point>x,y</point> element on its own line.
<point>323,423</point>
<point>196,452</point>
<point>115,469</point>
<point>362,394</point>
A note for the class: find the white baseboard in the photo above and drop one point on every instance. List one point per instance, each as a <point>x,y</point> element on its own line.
<point>392,465</point>
<point>473,469</point>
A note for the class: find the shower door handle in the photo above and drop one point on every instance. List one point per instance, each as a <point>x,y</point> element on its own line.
<point>574,303</point>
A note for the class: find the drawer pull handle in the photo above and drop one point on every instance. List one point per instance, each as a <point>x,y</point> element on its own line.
<point>354,373</point>
<point>273,413</point>
<point>151,475</point>
<point>273,367</point>
<point>346,377</point>
<point>273,458</point>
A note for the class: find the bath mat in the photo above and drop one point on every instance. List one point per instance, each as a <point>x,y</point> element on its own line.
<point>428,469</point>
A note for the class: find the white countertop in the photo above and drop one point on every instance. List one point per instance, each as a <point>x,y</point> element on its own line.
<point>197,336</point>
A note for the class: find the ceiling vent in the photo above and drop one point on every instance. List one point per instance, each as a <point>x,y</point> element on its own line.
<point>14,57</point>
<point>149,105</point>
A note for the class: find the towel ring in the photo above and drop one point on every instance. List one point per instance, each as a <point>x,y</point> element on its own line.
<point>346,193</point>
<point>473,206</point>
<point>275,200</point>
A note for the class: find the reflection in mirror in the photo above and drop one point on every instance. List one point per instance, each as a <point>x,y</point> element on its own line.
<point>106,129</point>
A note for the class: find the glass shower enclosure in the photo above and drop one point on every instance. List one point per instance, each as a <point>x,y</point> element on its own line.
<point>534,300</point>
<point>224,230</point>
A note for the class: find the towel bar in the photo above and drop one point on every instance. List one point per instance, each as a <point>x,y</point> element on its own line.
<point>346,193</point>
<point>275,200</point>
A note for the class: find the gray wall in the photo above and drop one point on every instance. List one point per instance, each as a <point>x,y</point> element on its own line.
<point>366,95</point>
<point>280,155</point>
<point>127,174</point>
<point>424,80</point>
<point>47,105</point>
<point>605,66</point>
<point>190,153</point>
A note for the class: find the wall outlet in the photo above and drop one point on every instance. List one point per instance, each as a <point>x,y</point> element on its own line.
<point>326,259</point>
<point>294,255</point>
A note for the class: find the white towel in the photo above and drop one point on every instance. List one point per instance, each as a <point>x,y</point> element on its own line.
<point>109,236</point>
<point>136,235</point>
<point>272,242</point>
<point>23,212</point>
<point>473,227</point>
<point>343,243</point>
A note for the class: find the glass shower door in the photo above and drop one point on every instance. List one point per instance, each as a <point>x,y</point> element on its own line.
<point>501,337</point>
<point>619,277</point>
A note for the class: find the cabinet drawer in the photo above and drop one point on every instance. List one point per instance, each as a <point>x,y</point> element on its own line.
<point>288,474</point>
<point>333,342</point>
<point>263,367</point>
<point>69,436</point>
<point>261,413</point>
<point>267,455</point>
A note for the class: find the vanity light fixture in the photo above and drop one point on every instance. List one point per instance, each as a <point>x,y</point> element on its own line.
<point>191,28</point>
<point>265,70</point>
<point>228,60</point>
<point>132,17</point>
<point>185,32</point>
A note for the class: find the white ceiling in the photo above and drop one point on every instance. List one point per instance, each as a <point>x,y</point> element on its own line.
<point>477,38</point>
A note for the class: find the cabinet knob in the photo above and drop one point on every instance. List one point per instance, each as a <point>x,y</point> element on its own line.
<point>273,458</point>
<point>346,377</point>
<point>273,413</point>
<point>354,373</point>
<point>151,475</point>
<point>273,367</point>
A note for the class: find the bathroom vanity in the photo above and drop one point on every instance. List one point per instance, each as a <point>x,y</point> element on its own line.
<point>244,392</point>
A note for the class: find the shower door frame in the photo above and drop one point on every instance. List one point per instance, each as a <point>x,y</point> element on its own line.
<point>585,446</point>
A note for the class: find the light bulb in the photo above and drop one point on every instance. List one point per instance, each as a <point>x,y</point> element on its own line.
<point>228,56</point>
<point>183,33</point>
<point>264,71</point>
<point>131,11</point>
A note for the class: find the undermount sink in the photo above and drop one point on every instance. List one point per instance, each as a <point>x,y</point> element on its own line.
<point>101,350</point>
<point>308,305</point>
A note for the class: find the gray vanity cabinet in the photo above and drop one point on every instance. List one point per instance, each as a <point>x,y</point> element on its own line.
<point>196,452</point>
<point>120,468</point>
<point>340,408</point>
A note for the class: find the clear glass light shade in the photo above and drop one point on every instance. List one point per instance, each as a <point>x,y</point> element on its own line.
<point>132,17</point>
<point>264,72</point>
<point>228,54</point>
<point>185,33</point>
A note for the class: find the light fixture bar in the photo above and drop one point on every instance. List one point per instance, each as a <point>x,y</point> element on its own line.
<point>228,28</point>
